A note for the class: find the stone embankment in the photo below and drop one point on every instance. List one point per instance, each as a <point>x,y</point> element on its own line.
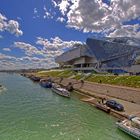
<point>119,92</point>
<point>129,97</point>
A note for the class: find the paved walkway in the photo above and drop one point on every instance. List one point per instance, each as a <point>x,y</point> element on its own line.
<point>124,93</point>
<point>129,97</point>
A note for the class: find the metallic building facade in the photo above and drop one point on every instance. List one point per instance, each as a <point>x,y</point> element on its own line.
<point>107,54</point>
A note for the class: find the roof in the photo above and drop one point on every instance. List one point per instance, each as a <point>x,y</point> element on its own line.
<point>136,120</point>
<point>77,51</point>
<point>103,49</point>
<point>107,49</point>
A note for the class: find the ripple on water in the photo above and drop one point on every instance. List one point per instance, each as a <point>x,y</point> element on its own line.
<point>29,112</point>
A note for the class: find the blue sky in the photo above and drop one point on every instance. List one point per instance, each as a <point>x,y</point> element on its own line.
<point>33,33</point>
<point>33,26</point>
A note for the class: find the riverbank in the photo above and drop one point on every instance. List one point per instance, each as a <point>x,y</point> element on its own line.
<point>128,96</point>
<point>121,80</point>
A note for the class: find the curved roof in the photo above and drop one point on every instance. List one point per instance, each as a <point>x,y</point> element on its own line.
<point>78,51</point>
<point>114,51</point>
<point>107,49</point>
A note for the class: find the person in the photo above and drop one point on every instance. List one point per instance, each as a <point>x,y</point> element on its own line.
<point>102,100</point>
<point>61,79</point>
<point>69,87</point>
<point>49,79</point>
<point>99,102</point>
<point>82,83</point>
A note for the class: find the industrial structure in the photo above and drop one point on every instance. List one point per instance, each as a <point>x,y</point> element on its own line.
<point>116,55</point>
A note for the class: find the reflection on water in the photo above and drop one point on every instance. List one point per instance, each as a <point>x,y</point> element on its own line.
<point>29,112</point>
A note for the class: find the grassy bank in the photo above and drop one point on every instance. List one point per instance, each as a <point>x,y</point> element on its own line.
<point>130,81</point>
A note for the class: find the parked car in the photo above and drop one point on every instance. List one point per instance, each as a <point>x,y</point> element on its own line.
<point>114,105</point>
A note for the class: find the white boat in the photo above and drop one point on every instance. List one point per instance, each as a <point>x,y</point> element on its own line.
<point>61,91</point>
<point>131,127</point>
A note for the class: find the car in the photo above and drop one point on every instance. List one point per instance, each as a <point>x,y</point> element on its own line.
<point>114,105</point>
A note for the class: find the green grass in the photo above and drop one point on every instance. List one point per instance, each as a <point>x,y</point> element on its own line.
<point>62,73</point>
<point>130,81</point>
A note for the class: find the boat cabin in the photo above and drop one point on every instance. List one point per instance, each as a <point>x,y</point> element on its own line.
<point>136,122</point>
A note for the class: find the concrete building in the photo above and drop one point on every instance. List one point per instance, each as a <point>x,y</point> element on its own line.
<point>104,55</point>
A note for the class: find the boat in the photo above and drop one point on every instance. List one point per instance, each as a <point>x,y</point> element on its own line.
<point>35,79</point>
<point>102,107</point>
<point>130,126</point>
<point>61,91</point>
<point>45,83</point>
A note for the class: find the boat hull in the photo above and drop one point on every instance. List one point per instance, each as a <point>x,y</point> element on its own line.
<point>46,85</point>
<point>35,79</point>
<point>102,107</point>
<point>128,131</point>
<point>67,95</point>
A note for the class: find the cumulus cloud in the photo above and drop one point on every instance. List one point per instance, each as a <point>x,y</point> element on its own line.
<point>10,62</point>
<point>6,57</point>
<point>55,46</point>
<point>98,16</point>
<point>126,30</point>
<point>35,57</point>
<point>7,49</point>
<point>63,6</point>
<point>27,48</point>
<point>11,26</point>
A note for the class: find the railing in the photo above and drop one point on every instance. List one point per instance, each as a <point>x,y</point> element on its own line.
<point>86,68</point>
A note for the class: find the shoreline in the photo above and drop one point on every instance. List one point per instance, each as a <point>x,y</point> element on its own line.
<point>92,97</point>
<point>92,100</point>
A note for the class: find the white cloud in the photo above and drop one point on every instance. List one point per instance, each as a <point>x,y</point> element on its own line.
<point>19,18</point>
<point>27,48</point>
<point>35,11</point>
<point>36,14</point>
<point>97,16</point>
<point>34,57</point>
<point>54,3</point>
<point>48,14</point>
<point>3,22</point>
<point>126,30</point>
<point>63,6</point>
<point>9,62</point>
<point>61,19</point>
<point>11,26</point>
<point>6,57</point>
<point>55,46</point>
<point>7,49</point>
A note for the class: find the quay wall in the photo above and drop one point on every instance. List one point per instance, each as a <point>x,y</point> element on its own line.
<point>120,92</point>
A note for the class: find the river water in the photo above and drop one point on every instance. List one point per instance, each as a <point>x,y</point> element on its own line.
<point>30,112</point>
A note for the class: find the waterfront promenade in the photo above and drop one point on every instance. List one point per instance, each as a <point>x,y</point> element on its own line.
<point>129,97</point>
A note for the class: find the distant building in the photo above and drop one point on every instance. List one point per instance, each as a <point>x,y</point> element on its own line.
<point>114,55</point>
